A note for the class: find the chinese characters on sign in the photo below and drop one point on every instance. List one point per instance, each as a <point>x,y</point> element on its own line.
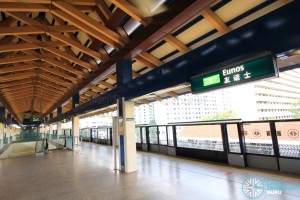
<point>250,69</point>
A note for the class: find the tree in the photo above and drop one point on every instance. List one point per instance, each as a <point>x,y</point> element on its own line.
<point>295,109</point>
<point>226,114</point>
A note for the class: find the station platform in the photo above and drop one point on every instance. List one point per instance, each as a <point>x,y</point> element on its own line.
<point>89,174</point>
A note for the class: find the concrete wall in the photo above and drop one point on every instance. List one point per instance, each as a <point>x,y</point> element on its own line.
<point>19,149</point>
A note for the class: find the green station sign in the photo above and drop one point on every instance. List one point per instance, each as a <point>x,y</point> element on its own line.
<point>257,67</point>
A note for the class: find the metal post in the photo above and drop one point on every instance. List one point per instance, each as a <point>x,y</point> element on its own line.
<point>115,135</point>
<point>242,142</point>
<point>275,143</point>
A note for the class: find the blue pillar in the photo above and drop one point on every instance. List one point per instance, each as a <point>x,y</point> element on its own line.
<point>124,75</point>
<point>51,115</point>
<point>2,111</point>
<point>59,111</point>
<point>46,119</point>
<point>8,116</point>
<point>75,100</point>
<point>124,71</point>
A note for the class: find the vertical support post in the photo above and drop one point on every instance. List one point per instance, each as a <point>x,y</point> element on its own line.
<point>75,100</point>
<point>242,142</point>
<point>225,140</point>
<point>75,131</point>
<point>115,130</point>
<point>126,119</point>
<point>275,143</point>
<point>50,129</point>
<point>1,134</point>
<point>59,125</point>
<point>127,137</point>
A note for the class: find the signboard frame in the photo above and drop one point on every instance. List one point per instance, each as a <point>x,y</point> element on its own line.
<point>235,63</point>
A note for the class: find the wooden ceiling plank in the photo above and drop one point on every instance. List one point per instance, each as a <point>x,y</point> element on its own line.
<point>22,7</point>
<point>17,68</point>
<point>145,62</point>
<point>17,59</point>
<point>55,79</point>
<point>20,30</point>
<point>77,45</point>
<point>215,21</point>
<point>15,83</point>
<point>64,67</point>
<point>85,28</point>
<point>17,47</point>
<point>176,43</point>
<point>58,73</point>
<point>106,84</point>
<point>16,76</point>
<point>71,10</point>
<point>112,77</point>
<point>104,9</point>
<point>131,10</point>
<point>151,58</point>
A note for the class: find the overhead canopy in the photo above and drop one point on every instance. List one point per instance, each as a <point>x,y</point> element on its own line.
<point>50,50</point>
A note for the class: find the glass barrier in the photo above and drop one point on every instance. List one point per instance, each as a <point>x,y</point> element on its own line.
<point>153,135</point>
<point>40,146</point>
<point>102,133</point>
<point>288,138</point>
<point>69,142</point>
<point>162,135</point>
<point>85,133</point>
<point>233,138</point>
<point>258,138</point>
<point>170,136</point>
<point>207,137</point>
<point>138,135</point>
<point>144,138</point>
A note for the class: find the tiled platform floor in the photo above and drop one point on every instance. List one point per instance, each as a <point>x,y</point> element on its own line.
<point>90,175</point>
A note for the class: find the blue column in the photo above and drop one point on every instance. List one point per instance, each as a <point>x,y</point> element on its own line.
<point>59,111</point>
<point>8,116</point>
<point>124,71</point>
<point>124,75</point>
<point>2,111</point>
<point>51,115</point>
<point>46,119</point>
<point>75,100</point>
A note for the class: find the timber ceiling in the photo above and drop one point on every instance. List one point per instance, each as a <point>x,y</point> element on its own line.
<point>50,49</point>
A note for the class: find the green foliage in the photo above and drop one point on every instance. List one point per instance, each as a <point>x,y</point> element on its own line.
<point>226,114</point>
<point>295,109</point>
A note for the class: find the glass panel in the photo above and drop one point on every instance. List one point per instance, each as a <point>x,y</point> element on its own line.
<point>138,135</point>
<point>102,133</point>
<point>153,135</point>
<point>69,142</point>
<point>170,136</point>
<point>288,138</point>
<point>85,133</point>
<point>233,138</point>
<point>144,135</point>
<point>200,137</point>
<point>258,138</point>
<point>162,135</point>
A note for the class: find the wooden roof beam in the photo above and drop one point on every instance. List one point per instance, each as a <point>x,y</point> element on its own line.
<point>58,73</point>
<point>17,59</point>
<point>131,10</point>
<point>18,47</point>
<point>85,28</point>
<point>176,43</point>
<point>17,76</point>
<point>22,7</point>
<point>17,68</point>
<point>100,28</point>
<point>215,21</point>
